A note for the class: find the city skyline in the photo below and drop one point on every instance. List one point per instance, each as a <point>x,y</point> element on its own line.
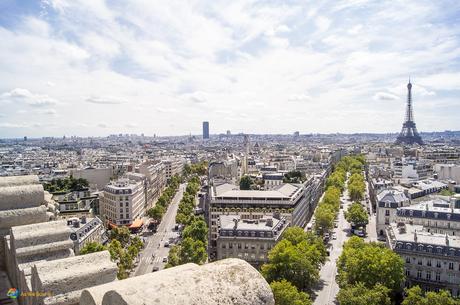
<point>90,69</point>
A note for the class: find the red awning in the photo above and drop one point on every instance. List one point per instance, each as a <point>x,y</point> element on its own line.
<point>136,224</point>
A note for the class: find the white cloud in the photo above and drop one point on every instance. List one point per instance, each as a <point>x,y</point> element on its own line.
<point>49,112</point>
<point>24,95</point>
<point>322,23</point>
<point>106,100</point>
<point>190,61</point>
<point>384,96</point>
<point>102,125</point>
<point>13,125</point>
<point>299,98</point>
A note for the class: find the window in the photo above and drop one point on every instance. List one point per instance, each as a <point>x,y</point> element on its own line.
<point>408,259</point>
<point>428,262</point>
<point>407,273</point>
<point>419,261</point>
<point>239,246</point>
<point>126,204</point>
<point>438,276</point>
<point>262,247</point>
<point>246,246</point>
<point>387,212</point>
<point>230,245</point>
<point>121,204</point>
<point>419,274</point>
<point>451,266</point>
<point>428,275</point>
<point>438,264</point>
<point>223,246</point>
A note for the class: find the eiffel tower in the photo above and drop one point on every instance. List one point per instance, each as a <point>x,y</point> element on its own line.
<point>409,134</point>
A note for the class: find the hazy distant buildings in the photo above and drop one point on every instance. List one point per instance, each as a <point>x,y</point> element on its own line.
<point>205,130</point>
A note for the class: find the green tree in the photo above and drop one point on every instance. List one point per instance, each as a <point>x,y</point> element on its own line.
<point>296,264</point>
<point>294,235</point>
<point>336,179</point>
<point>370,264</point>
<point>173,257</point>
<point>414,296</point>
<point>360,295</point>
<point>92,247</point>
<point>156,212</point>
<point>357,215</point>
<point>121,234</point>
<point>287,294</point>
<point>446,193</point>
<point>137,242</point>
<point>324,216</point>
<point>192,251</point>
<point>294,177</point>
<point>245,183</point>
<point>197,230</point>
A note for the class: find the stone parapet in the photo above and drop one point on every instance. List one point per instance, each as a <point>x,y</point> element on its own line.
<point>65,278</point>
<point>21,196</point>
<point>18,180</point>
<point>20,217</point>
<point>40,233</point>
<point>230,281</point>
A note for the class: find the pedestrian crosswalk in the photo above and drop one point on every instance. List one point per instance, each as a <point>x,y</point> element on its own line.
<point>150,260</point>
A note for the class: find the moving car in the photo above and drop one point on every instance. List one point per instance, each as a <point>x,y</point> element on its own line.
<point>165,259</point>
<point>154,269</point>
<point>334,236</point>
<point>166,244</point>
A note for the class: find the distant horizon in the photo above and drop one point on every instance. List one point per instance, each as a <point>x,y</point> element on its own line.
<point>224,134</point>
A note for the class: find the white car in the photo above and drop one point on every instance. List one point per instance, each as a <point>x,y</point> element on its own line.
<point>334,236</point>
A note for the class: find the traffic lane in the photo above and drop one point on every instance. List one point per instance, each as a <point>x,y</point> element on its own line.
<point>156,241</point>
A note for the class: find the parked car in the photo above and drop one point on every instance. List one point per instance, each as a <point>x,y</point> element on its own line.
<point>165,259</point>
<point>166,244</point>
<point>155,268</point>
<point>334,236</point>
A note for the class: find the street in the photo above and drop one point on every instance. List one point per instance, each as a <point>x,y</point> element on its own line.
<point>328,288</point>
<point>154,251</point>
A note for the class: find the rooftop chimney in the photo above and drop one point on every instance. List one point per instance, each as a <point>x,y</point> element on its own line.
<point>235,221</point>
<point>269,222</point>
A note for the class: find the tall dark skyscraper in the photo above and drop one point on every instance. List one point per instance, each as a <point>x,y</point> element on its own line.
<point>205,130</point>
<point>409,134</point>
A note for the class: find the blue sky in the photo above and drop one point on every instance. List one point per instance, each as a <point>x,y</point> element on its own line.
<point>98,67</point>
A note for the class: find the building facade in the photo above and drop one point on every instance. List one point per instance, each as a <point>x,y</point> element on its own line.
<point>205,130</point>
<point>388,201</point>
<point>289,201</point>
<point>173,166</point>
<point>248,239</point>
<point>155,173</point>
<point>432,260</point>
<point>86,230</point>
<point>123,201</point>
